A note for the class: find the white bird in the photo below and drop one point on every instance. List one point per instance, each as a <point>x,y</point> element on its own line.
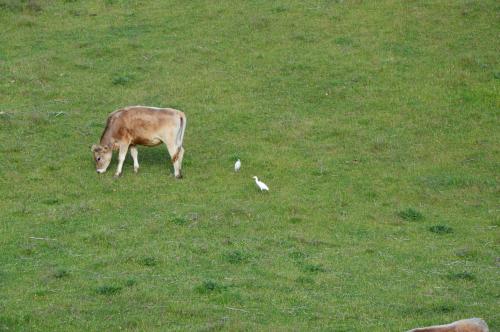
<point>261,184</point>
<point>237,165</point>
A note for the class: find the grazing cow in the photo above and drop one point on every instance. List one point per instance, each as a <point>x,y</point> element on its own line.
<point>140,125</point>
<point>464,325</point>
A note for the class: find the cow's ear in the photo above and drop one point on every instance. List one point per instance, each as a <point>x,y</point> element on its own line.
<point>95,148</point>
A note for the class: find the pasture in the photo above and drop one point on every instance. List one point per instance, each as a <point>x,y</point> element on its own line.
<point>375,125</point>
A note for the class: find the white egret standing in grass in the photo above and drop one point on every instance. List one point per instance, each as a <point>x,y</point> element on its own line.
<point>261,184</point>
<point>237,165</point>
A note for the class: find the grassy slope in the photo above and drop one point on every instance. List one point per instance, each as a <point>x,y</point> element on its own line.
<point>351,111</point>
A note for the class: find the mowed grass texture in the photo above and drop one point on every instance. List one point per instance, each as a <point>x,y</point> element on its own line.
<point>374,123</point>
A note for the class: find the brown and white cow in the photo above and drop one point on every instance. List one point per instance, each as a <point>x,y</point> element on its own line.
<point>464,325</point>
<point>140,125</point>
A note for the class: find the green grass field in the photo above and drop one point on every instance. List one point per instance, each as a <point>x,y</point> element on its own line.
<point>374,123</point>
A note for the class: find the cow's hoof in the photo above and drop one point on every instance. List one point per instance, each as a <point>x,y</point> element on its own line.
<point>136,170</point>
<point>179,176</point>
<point>117,175</point>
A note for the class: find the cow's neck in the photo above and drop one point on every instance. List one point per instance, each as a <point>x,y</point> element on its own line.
<point>107,139</point>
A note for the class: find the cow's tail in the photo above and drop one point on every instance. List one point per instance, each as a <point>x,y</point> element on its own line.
<point>179,139</point>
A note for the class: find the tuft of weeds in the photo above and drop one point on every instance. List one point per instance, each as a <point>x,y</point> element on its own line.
<point>33,5</point>
<point>51,201</point>
<point>441,229</point>
<point>108,290</point>
<point>343,41</point>
<point>320,172</point>
<point>148,261</point>
<point>429,309</point>
<point>410,214</point>
<point>304,280</point>
<point>235,257</point>
<point>60,273</point>
<point>466,253</point>
<point>444,308</point>
<point>16,6</point>
<point>279,9</point>
<point>468,276</point>
<point>122,79</point>
<point>209,286</point>
<point>297,255</point>
<point>179,220</point>
<point>130,282</point>
<point>11,5</point>
<point>314,268</point>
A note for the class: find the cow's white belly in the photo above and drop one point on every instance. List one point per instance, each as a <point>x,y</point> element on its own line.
<point>155,141</point>
<point>147,141</point>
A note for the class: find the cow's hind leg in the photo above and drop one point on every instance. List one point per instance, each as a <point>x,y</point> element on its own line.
<point>133,153</point>
<point>122,153</point>
<point>178,161</point>
<point>176,154</point>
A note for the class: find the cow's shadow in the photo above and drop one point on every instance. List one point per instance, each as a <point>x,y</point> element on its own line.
<point>157,156</point>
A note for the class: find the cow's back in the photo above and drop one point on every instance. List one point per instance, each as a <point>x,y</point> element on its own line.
<point>464,325</point>
<point>142,125</point>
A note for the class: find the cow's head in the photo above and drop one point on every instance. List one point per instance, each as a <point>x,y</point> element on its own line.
<point>102,157</point>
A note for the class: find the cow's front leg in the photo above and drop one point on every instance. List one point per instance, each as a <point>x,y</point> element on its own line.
<point>133,153</point>
<point>122,153</point>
